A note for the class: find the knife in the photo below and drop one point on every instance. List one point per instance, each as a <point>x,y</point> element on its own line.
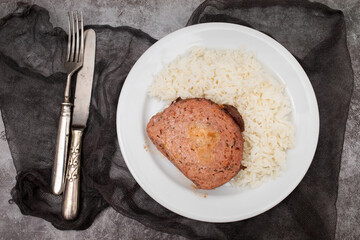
<point>82,99</point>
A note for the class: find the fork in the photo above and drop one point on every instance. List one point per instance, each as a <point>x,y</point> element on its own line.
<point>74,61</point>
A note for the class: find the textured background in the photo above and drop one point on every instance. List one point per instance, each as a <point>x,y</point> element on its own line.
<point>158,18</point>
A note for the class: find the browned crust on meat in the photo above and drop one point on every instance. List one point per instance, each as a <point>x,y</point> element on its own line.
<point>201,138</point>
<point>234,113</point>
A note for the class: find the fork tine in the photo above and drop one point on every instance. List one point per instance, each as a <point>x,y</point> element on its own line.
<point>82,37</point>
<point>73,39</point>
<point>69,39</point>
<point>77,37</point>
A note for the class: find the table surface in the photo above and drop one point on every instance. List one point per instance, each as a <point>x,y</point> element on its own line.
<point>159,18</point>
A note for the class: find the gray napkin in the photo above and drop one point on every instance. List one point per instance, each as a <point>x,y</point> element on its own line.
<point>32,80</point>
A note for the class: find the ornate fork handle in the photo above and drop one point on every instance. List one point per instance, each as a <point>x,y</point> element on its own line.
<point>59,167</point>
<point>71,194</point>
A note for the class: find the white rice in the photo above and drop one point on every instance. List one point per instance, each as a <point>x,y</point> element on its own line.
<point>237,78</point>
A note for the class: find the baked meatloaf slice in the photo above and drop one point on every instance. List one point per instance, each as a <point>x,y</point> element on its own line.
<point>201,138</point>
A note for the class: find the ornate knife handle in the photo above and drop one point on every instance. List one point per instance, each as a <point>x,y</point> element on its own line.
<point>71,194</point>
<point>62,141</point>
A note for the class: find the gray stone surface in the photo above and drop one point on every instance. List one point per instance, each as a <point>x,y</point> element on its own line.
<point>158,18</point>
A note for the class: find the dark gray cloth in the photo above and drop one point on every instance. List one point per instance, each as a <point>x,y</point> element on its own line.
<point>32,83</point>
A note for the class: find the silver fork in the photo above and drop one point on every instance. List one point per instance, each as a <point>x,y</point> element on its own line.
<point>74,61</point>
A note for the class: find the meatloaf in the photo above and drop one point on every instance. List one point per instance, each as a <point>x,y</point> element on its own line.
<point>201,138</point>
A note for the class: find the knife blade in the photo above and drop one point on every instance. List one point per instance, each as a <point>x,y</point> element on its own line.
<point>82,99</point>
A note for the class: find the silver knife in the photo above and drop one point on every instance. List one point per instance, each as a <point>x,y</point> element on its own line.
<point>82,99</point>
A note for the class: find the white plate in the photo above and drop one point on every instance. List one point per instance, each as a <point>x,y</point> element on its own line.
<point>164,182</point>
